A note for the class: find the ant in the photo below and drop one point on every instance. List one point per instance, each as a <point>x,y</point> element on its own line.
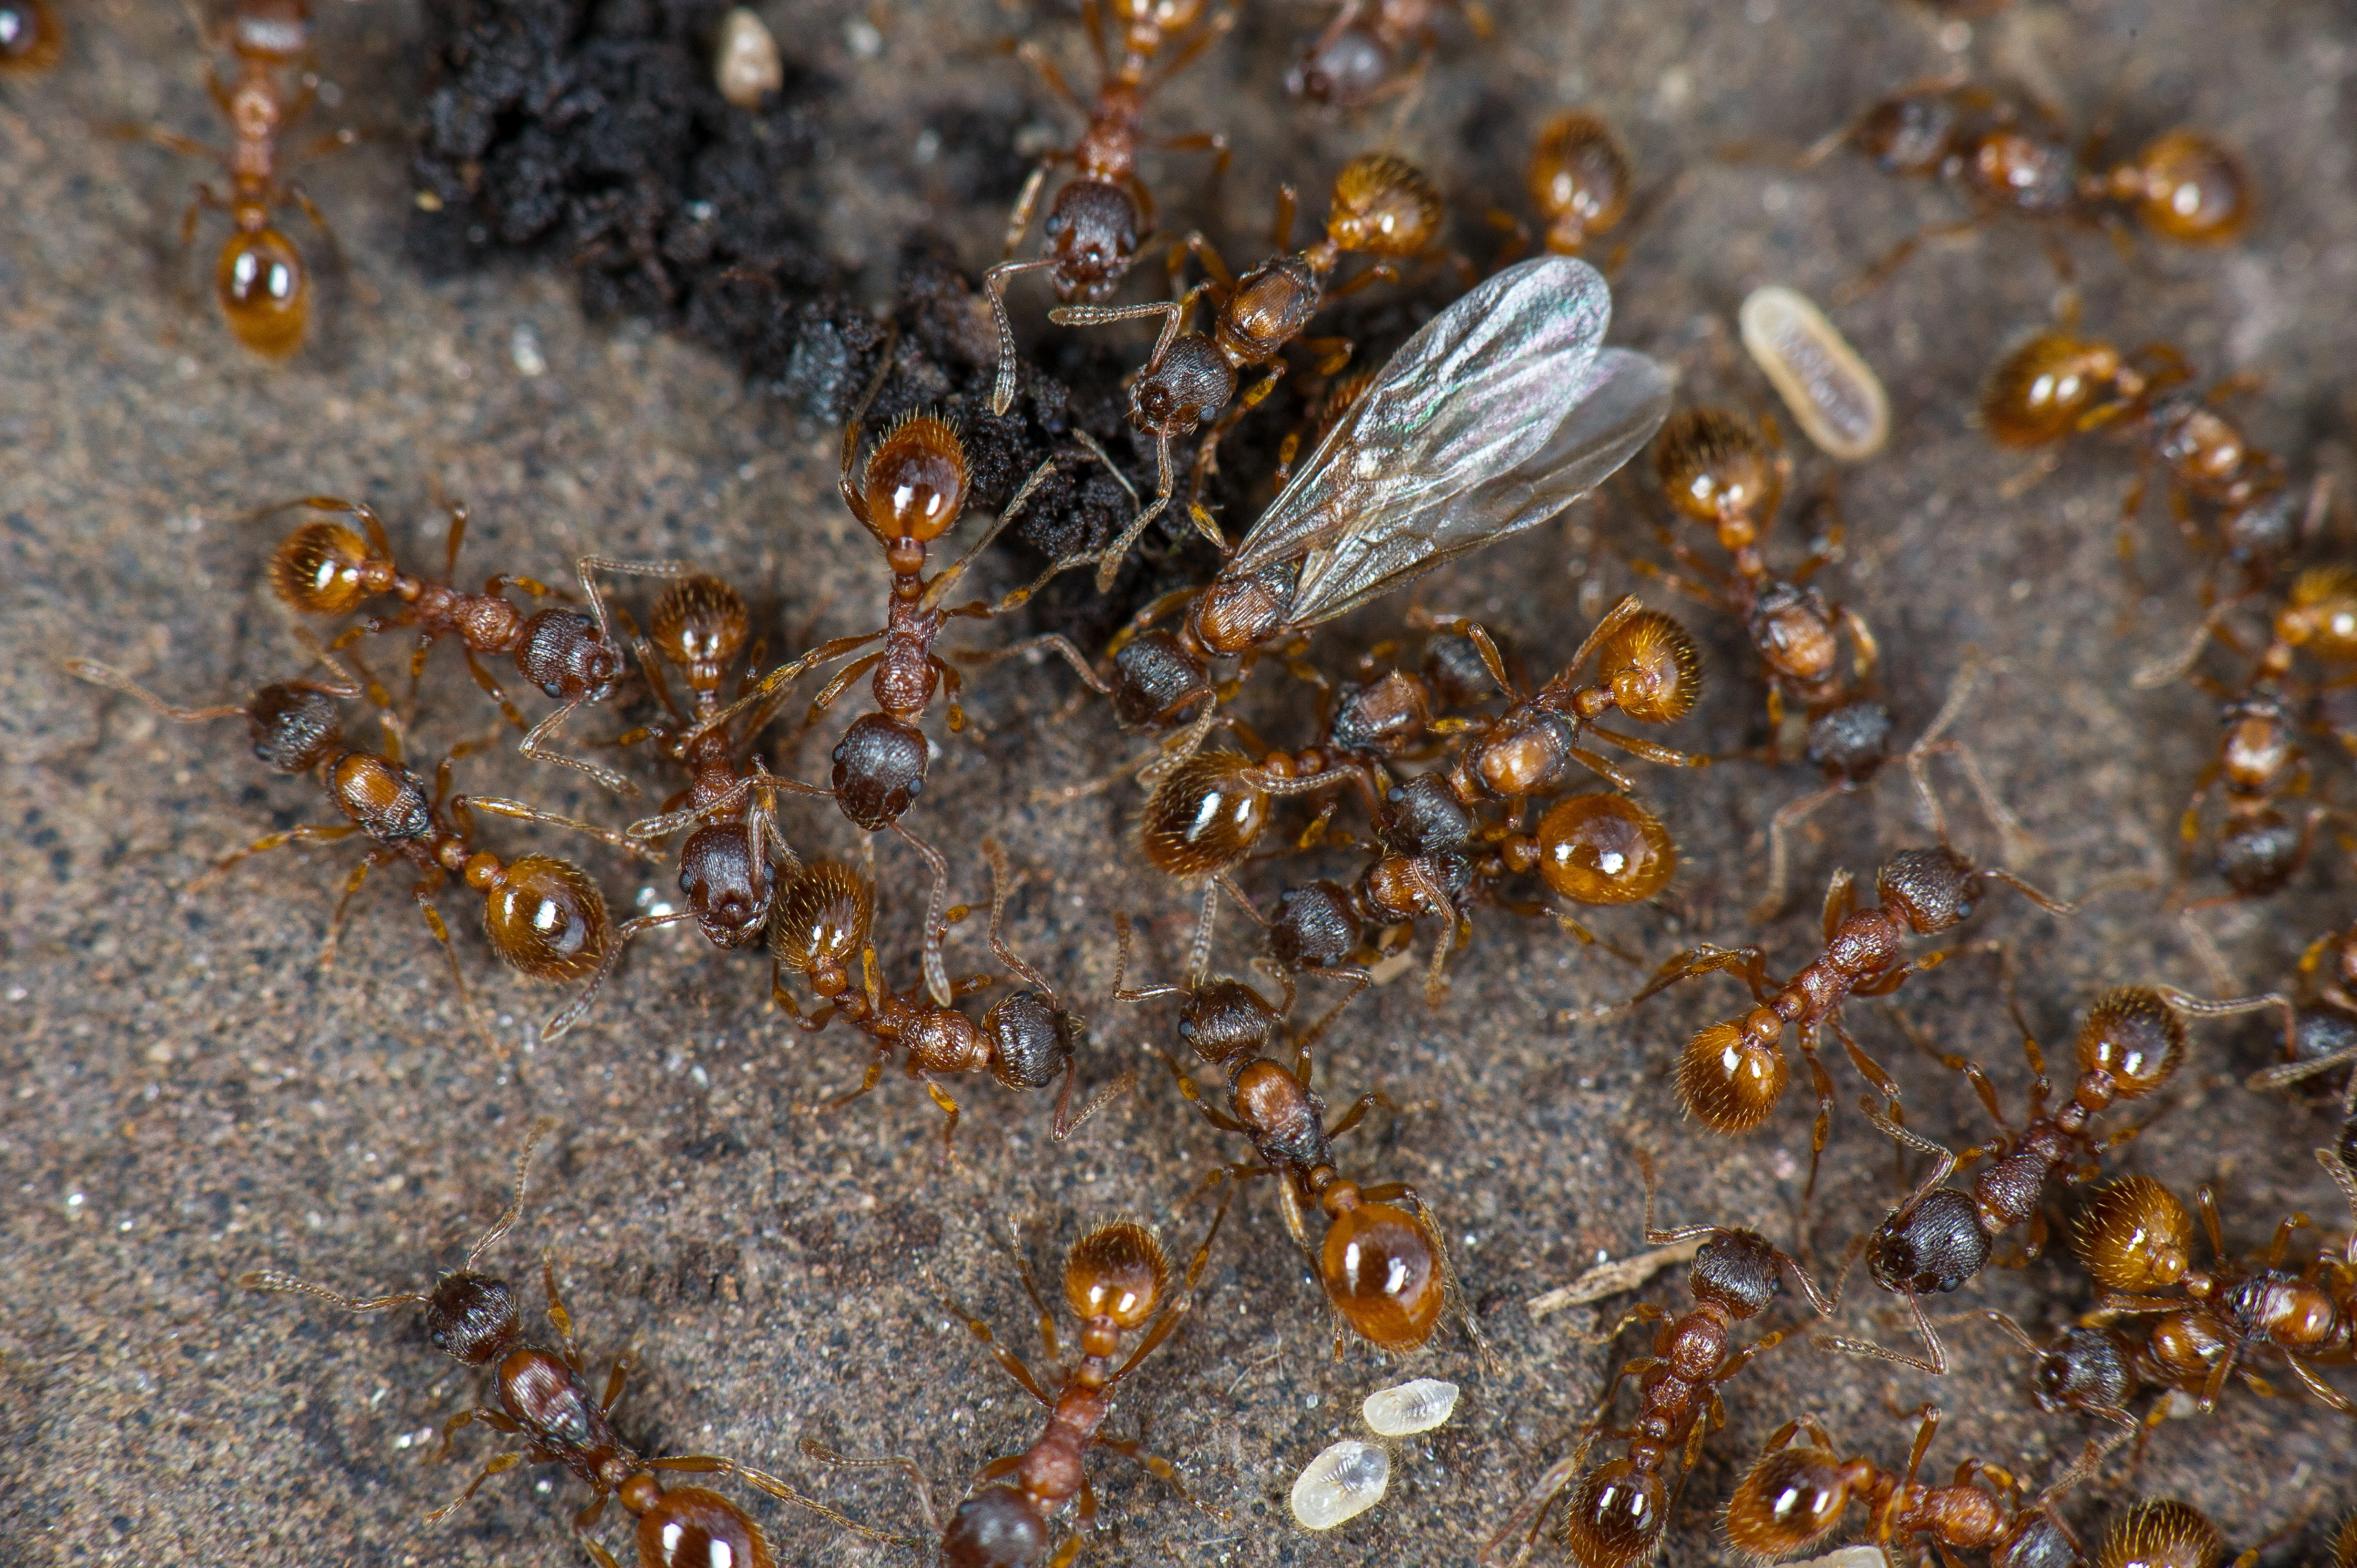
<point>2136,1238</point>
<point>545,1400</point>
<point>1354,60</point>
<point>1384,1268</point>
<point>2129,1046</point>
<point>260,278</point>
<point>326,569</point>
<point>1795,1496</point>
<point>545,917</point>
<point>2325,1035</point>
<point>1381,206</point>
<point>1731,1074</point>
<point>1102,215</point>
<point>31,39</point>
<point>1024,1041</point>
<point>2183,184</point>
<point>1619,1510</point>
<point>1580,182</point>
<point>1115,1281</point>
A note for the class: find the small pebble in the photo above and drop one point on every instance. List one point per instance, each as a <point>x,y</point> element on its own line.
<point>1409,1408</point>
<point>747,66</point>
<point>1340,1484</point>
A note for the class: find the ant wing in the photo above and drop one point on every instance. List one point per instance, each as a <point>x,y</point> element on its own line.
<point>1618,403</point>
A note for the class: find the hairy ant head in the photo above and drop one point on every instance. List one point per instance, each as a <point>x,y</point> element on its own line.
<point>1605,849</point>
<point>563,653</point>
<point>997,1527</point>
<point>1929,1249</point>
<point>1382,717</point>
<point>1154,679</point>
<point>265,290</point>
<point>1737,1270</point>
<point>326,569</point>
<point>1227,1021</point>
<point>294,728</point>
<point>2258,852</point>
<point>2134,1236</point>
<point>2163,1534</point>
<point>545,918</point>
<point>1315,925</point>
<point>1578,180</point>
<point>1851,742</point>
<point>2082,1369</point>
<point>726,889</point>
<point>2135,1037</point>
<point>688,1527</point>
<point>1348,68</point>
<point>1909,135</point>
<point>1115,1275</point>
<point>1204,816</point>
<point>1787,1501</point>
<point>276,32</point>
<point>1380,1269</point>
<point>1731,1074</point>
<point>700,624</point>
<point>1193,380</point>
<point>473,1318</point>
<point>1653,668</point>
<point>1932,889</point>
<point>879,769</point>
<point>1615,1516</point>
<point>1423,817</point>
<point>2187,186</point>
<point>821,923</point>
<point>916,479</point>
<point>1031,1039</point>
<point>2038,393</point>
<point>1092,235</point>
<point>1382,205</point>
<point>2038,1541</point>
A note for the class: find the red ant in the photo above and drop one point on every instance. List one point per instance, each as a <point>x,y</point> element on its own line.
<point>1116,1280</point>
<point>1354,60</point>
<point>1104,212</point>
<point>545,1400</point>
<point>1384,1268</point>
<point>1619,1510</point>
<point>1937,1239</point>
<point>260,278</point>
<point>2325,1035</point>
<point>326,569</point>
<point>31,40</point>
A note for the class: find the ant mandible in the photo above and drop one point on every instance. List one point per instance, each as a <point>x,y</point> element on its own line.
<point>545,1400</point>
<point>260,278</point>
<point>1619,1510</point>
<point>326,569</point>
<point>1104,212</point>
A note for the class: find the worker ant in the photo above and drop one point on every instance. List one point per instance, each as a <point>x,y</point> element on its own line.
<point>1026,1040</point>
<point>2004,155</point>
<point>1731,1074</point>
<point>1354,60</point>
<point>1382,205</point>
<point>1619,1510</point>
<point>2325,1033</point>
<point>1795,1496</point>
<point>260,278</point>
<point>31,37</point>
<point>1384,1268</point>
<point>327,569</point>
<point>1939,1238</point>
<point>1104,212</point>
<point>545,1400</point>
<point>545,917</point>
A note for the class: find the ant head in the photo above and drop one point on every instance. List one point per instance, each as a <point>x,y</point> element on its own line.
<point>700,625</point>
<point>1315,925</point>
<point>726,891</point>
<point>2133,1036</point>
<point>1932,889</point>
<point>264,292</point>
<point>2038,1541</point>
<point>473,1318</point>
<point>1736,1269</point>
<point>562,653</point>
<point>1204,816</point>
<point>1795,632</point>
<point>1716,467</point>
<point>1382,205</point>
<point>294,728</point>
<point>1789,1499</point>
<point>544,917</point>
<point>2189,188</point>
<point>1578,180</point>
<point>1930,1249</point>
<point>1909,134</point>
<point>1239,613</point>
<point>1381,1267</point>
<point>916,479</point>
<point>1031,1039</point>
<point>1154,677</point>
<point>2163,1534</point>
<point>326,569</point>
<point>688,1527</point>
<point>879,769</point>
<point>2258,852</point>
<point>1116,1273</point>
<point>1382,718</point>
<point>2134,1236</point>
<point>275,31</point>
<point>997,1527</point>
<point>1193,381</point>
<point>1731,1075</point>
<point>1653,668</point>
<point>821,924</point>
<point>1424,816</point>
<point>1852,742</point>
<point>2084,1369</point>
<point>1350,68</point>
<point>2037,393</point>
<point>1605,849</point>
<point>1227,1021</point>
<point>1615,1516</point>
<point>1092,234</point>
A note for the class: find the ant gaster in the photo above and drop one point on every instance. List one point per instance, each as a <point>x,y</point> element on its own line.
<point>545,1400</point>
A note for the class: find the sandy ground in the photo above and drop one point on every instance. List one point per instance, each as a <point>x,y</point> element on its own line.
<point>191,1096</point>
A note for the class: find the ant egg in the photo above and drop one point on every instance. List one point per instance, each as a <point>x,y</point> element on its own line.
<point>1848,1557</point>
<point>1340,1484</point>
<point>746,64</point>
<point>1835,395</point>
<point>1410,1408</point>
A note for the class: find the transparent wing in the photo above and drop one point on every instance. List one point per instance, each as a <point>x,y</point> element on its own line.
<point>1621,398</point>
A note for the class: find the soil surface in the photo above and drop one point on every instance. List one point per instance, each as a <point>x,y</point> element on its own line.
<point>191,1096</point>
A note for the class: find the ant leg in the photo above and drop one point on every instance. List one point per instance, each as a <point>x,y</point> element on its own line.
<point>813,1449</point>
<point>936,967</point>
<point>994,285</point>
<point>1360,979</point>
<point>761,1480</point>
<point>361,285</point>
<point>302,835</point>
<point>1358,1112</point>
<point>867,1082</point>
<point>535,746</point>
<point>498,806</point>
<point>1936,1363</point>
<point>1207,453</point>
<point>558,1318</point>
<point>1131,1449</point>
<point>1053,642</point>
<point>950,1109</point>
<point>1531,1513</point>
<point>1700,961</point>
<point>837,686</point>
<point>2021,844</point>
<point>1064,1125</point>
<point>490,686</point>
<point>1821,1130</point>
<point>499,1464</point>
<point>1781,827</point>
<point>423,893</point>
<point>1008,1359</point>
<point>578,1008</point>
<point>1897,257</point>
<point>376,857</point>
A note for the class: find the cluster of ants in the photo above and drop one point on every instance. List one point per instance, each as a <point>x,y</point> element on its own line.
<point>1450,779</point>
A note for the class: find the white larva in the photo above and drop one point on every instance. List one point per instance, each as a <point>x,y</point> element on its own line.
<point>1407,1409</point>
<point>1833,395</point>
<point>1340,1484</point>
<point>746,64</point>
